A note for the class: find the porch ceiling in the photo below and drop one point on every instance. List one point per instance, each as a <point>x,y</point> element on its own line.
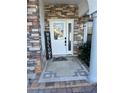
<point>82,4</point>
<point>62,1</point>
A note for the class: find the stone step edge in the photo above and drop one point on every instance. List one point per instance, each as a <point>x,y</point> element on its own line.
<point>64,86</point>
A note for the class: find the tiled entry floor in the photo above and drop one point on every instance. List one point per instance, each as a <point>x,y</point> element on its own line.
<point>65,70</point>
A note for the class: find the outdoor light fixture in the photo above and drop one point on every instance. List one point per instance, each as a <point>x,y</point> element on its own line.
<point>91,18</point>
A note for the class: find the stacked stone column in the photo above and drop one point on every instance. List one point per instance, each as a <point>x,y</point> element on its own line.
<point>33,38</point>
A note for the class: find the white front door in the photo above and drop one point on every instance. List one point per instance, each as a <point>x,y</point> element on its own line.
<point>61,36</point>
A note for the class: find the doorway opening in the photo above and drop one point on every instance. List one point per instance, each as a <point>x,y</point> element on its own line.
<point>61,31</point>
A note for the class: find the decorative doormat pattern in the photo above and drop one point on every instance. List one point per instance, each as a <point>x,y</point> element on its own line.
<point>49,74</point>
<point>64,68</point>
<point>59,59</point>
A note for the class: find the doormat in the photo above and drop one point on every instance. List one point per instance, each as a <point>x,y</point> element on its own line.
<point>59,59</point>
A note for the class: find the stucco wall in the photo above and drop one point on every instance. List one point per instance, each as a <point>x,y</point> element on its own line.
<point>42,26</point>
<point>83,7</point>
<point>65,11</point>
<point>92,6</point>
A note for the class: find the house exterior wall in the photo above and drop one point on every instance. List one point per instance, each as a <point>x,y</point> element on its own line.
<point>92,6</point>
<point>85,20</point>
<point>83,7</point>
<point>34,44</point>
<point>42,29</point>
<point>65,11</point>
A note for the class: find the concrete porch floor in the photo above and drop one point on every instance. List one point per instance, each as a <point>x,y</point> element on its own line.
<point>65,70</point>
<point>69,76</point>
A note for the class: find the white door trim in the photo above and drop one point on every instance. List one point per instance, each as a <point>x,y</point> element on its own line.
<point>85,33</point>
<point>72,30</point>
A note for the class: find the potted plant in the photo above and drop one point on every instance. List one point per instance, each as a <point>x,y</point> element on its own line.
<point>84,53</point>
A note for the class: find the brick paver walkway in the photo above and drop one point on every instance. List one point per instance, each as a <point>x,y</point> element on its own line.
<point>83,89</point>
<point>77,86</point>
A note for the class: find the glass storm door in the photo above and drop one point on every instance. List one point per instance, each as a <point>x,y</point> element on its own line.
<point>61,37</point>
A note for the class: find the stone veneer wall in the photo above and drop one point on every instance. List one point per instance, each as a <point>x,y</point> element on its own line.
<point>65,11</point>
<point>83,20</point>
<point>34,48</point>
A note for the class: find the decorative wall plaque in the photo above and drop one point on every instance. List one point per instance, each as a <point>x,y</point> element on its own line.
<point>48,45</point>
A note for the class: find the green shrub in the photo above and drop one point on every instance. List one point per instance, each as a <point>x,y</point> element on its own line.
<point>84,53</point>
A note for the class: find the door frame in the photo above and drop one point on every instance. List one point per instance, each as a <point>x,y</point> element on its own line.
<point>72,29</point>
